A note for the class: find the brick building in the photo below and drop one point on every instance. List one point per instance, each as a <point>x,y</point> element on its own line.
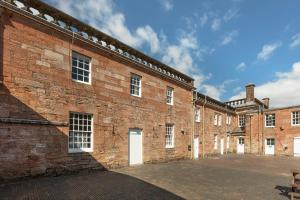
<point>72,97</point>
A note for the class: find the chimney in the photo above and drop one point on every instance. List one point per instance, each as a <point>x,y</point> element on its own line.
<point>250,92</point>
<point>266,101</point>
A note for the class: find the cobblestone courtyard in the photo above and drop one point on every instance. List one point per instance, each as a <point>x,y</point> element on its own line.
<point>229,177</point>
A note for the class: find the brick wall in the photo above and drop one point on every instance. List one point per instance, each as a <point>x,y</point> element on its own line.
<point>38,85</point>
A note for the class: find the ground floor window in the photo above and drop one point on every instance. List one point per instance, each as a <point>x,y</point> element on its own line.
<point>271,141</point>
<point>80,132</point>
<point>169,135</point>
<point>216,142</point>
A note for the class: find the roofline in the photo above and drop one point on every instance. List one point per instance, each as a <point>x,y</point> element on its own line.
<point>281,108</point>
<point>121,49</point>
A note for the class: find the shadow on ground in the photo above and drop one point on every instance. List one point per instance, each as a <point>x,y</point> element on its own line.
<point>93,185</point>
<point>285,191</point>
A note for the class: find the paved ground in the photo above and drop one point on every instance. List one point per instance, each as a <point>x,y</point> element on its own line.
<point>231,177</point>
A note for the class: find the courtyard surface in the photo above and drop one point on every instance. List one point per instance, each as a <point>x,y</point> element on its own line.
<point>228,177</point>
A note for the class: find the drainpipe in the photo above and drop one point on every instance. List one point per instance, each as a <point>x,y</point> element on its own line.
<point>203,125</point>
<point>193,123</point>
<point>263,134</point>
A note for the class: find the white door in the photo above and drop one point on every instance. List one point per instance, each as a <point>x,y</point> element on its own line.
<point>297,146</point>
<point>135,147</point>
<point>196,148</point>
<point>240,145</point>
<point>222,146</point>
<point>270,146</point>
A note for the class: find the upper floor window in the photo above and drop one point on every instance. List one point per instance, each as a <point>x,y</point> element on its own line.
<point>228,119</point>
<point>169,94</point>
<point>217,119</point>
<point>81,68</point>
<point>242,120</point>
<point>296,118</point>
<point>80,132</point>
<point>197,115</point>
<point>169,135</point>
<point>270,120</point>
<point>135,85</point>
<point>220,120</point>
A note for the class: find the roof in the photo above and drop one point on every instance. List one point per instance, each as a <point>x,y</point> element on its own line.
<point>213,102</point>
<point>282,108</point>
<point>86,33</point>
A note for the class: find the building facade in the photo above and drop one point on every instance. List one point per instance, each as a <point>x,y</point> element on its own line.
<point>70,102</point>
<point>72,98</point>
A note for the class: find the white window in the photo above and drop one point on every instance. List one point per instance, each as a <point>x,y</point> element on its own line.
<point>81,68</point>
<point>270,120</point>
<point>227,142</point>
<point>135,85</point>
<point>197,115</point>
<point>296,118</point>
<point>216,142</point>
<point>220,120</point>
<point>228,119</point>
<point>169,135</point>
<point>169,94</point>
<point>80,133</point>
<point>216,119</point>
<point>241,120</point>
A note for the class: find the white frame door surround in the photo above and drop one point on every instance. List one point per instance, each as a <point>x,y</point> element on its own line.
<point>196,148</point>
<point>240,145</point>
<point>296,146</point>
<point>269,146</point>
<point>135,147</point>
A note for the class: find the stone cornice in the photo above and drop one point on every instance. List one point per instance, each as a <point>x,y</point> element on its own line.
<point>67,24</point>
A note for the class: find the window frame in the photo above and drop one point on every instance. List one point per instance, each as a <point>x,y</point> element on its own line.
<point>215,142</point>
<point>172,95</point>
<point>216,118</point>
<point>78,55</point>
<point>197,114</point>
<point>140,85</point>
<point>220,120</point>
<point>172,145</point>
<point>244,120</point>
<point>266,122</point>
<point>81,150</point>
<point>292,117</point>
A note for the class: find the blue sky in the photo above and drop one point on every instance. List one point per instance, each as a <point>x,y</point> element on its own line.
<point>223,44</point>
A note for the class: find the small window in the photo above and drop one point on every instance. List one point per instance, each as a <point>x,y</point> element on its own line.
<point>169,94</point>
<point>241,120</point>
<point>81,68</point>
<point>135,85</point>
<point>270,141</point>
<point>169,135</point>
<point>216,142</point>
<point>216,119</point>
<point>80,132</point>
<point>228,119</point>
<point>270,120</point>
<point>220,120</point>
<point>296,118</point>
<point>197,115</point>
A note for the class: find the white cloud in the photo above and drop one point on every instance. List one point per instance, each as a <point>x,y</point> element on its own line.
<point>230,37</point>
<point>203,20</point>
<point>268,50</point>
<point>216,24</point>
<point>241,67</point>
<point>167,4</point>
<point>216,91</point>
<point>231,14</point>
<point>283,91</point>
<point>295,41</point>
<point>101,14</point>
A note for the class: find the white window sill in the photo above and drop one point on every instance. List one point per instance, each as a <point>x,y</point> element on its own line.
<point>295,124</point>
<point>170,104</point>
<point>134,95</point>
<point>269,126</point>
<point>77,81</point>
<point>169,147</point>
<point>80,150</point>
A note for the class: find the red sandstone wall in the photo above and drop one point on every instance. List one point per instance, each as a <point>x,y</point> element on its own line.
<point>38,85</point>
